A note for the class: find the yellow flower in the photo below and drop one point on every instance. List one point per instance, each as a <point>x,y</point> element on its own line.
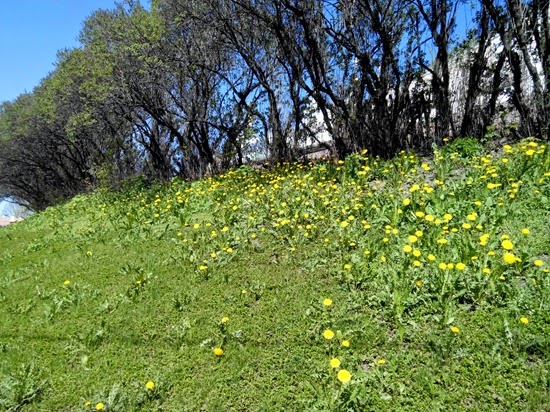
<point>416,253</point>
<point>412,238</point>
<point>347,266</point>
<point>335,362</point>
<point>344,376</point>
<point>430,218</point>
<point>442,241</point>
<point>218,351</point>
<point>196,226</point>
<point>344,224</point>
<point>406,202</point>
<point>419,214</point>
<point>538,262</point>
<point>417,263</point>
<point>67,282</point>
<point>460,266</point>
<point>524,320</point>
<point>328,334</point>
<point>442,266</point>
<point>99,406</point>
<point>509,258</point>
<point>419,283</point>
<point>407,248</point>
<point>203,267</point>
<point>525,231</point>
<point>466,226</point>
<point>455,329</point>
<point>486,270</point>
<point>431,257</point>
<point>229,250</point>
<point>381,361</point>
<point>150,385</point>
<point>225,319</point>
<point>506,244</point>
<point>345,343</point>
<point>327,302</point>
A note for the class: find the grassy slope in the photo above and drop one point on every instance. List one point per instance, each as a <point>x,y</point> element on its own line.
<point>146,294</point>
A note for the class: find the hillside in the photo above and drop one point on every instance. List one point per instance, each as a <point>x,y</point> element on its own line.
<point>410,284</point>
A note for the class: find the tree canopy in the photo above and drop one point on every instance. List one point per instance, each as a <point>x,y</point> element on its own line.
<point>187,88</point>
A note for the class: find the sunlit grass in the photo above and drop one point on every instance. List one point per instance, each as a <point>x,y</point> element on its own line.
<point>410,284</point>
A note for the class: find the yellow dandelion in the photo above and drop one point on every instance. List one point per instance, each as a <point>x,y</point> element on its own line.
<point>442,266</point>
<point>524,320</point>
<point>417,263</point>
<point>344,224</point>
<point>150,385</point>
<point>344,376</point>
<point>345,343</point>
<point>225,319</point>
<point>460,266</point>
<point>412,238</point>
<point>381,361</point>
<point>431,257</point>
<point>335,362</point>
<point>328,334</point>
<point>327,302</point>
<point>419,283</point>
<point>538,262</point>
<point>509,258</point>
<point>455,329</point>
<point>525,231</point>
<point>67,282</point>
<point>99,406</point>
<point>407,248</point>
<point>507,245</point>
<point>218,351</point>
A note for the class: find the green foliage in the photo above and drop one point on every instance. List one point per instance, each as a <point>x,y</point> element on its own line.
<point>355,284</point>
<point>464,147</point>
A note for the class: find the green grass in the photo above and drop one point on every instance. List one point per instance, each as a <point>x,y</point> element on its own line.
<point>110,291</point>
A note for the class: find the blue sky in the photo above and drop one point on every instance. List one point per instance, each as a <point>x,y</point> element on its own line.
<point>31,33</point>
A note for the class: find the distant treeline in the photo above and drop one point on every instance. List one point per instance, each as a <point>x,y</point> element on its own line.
<point>189,87</point>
